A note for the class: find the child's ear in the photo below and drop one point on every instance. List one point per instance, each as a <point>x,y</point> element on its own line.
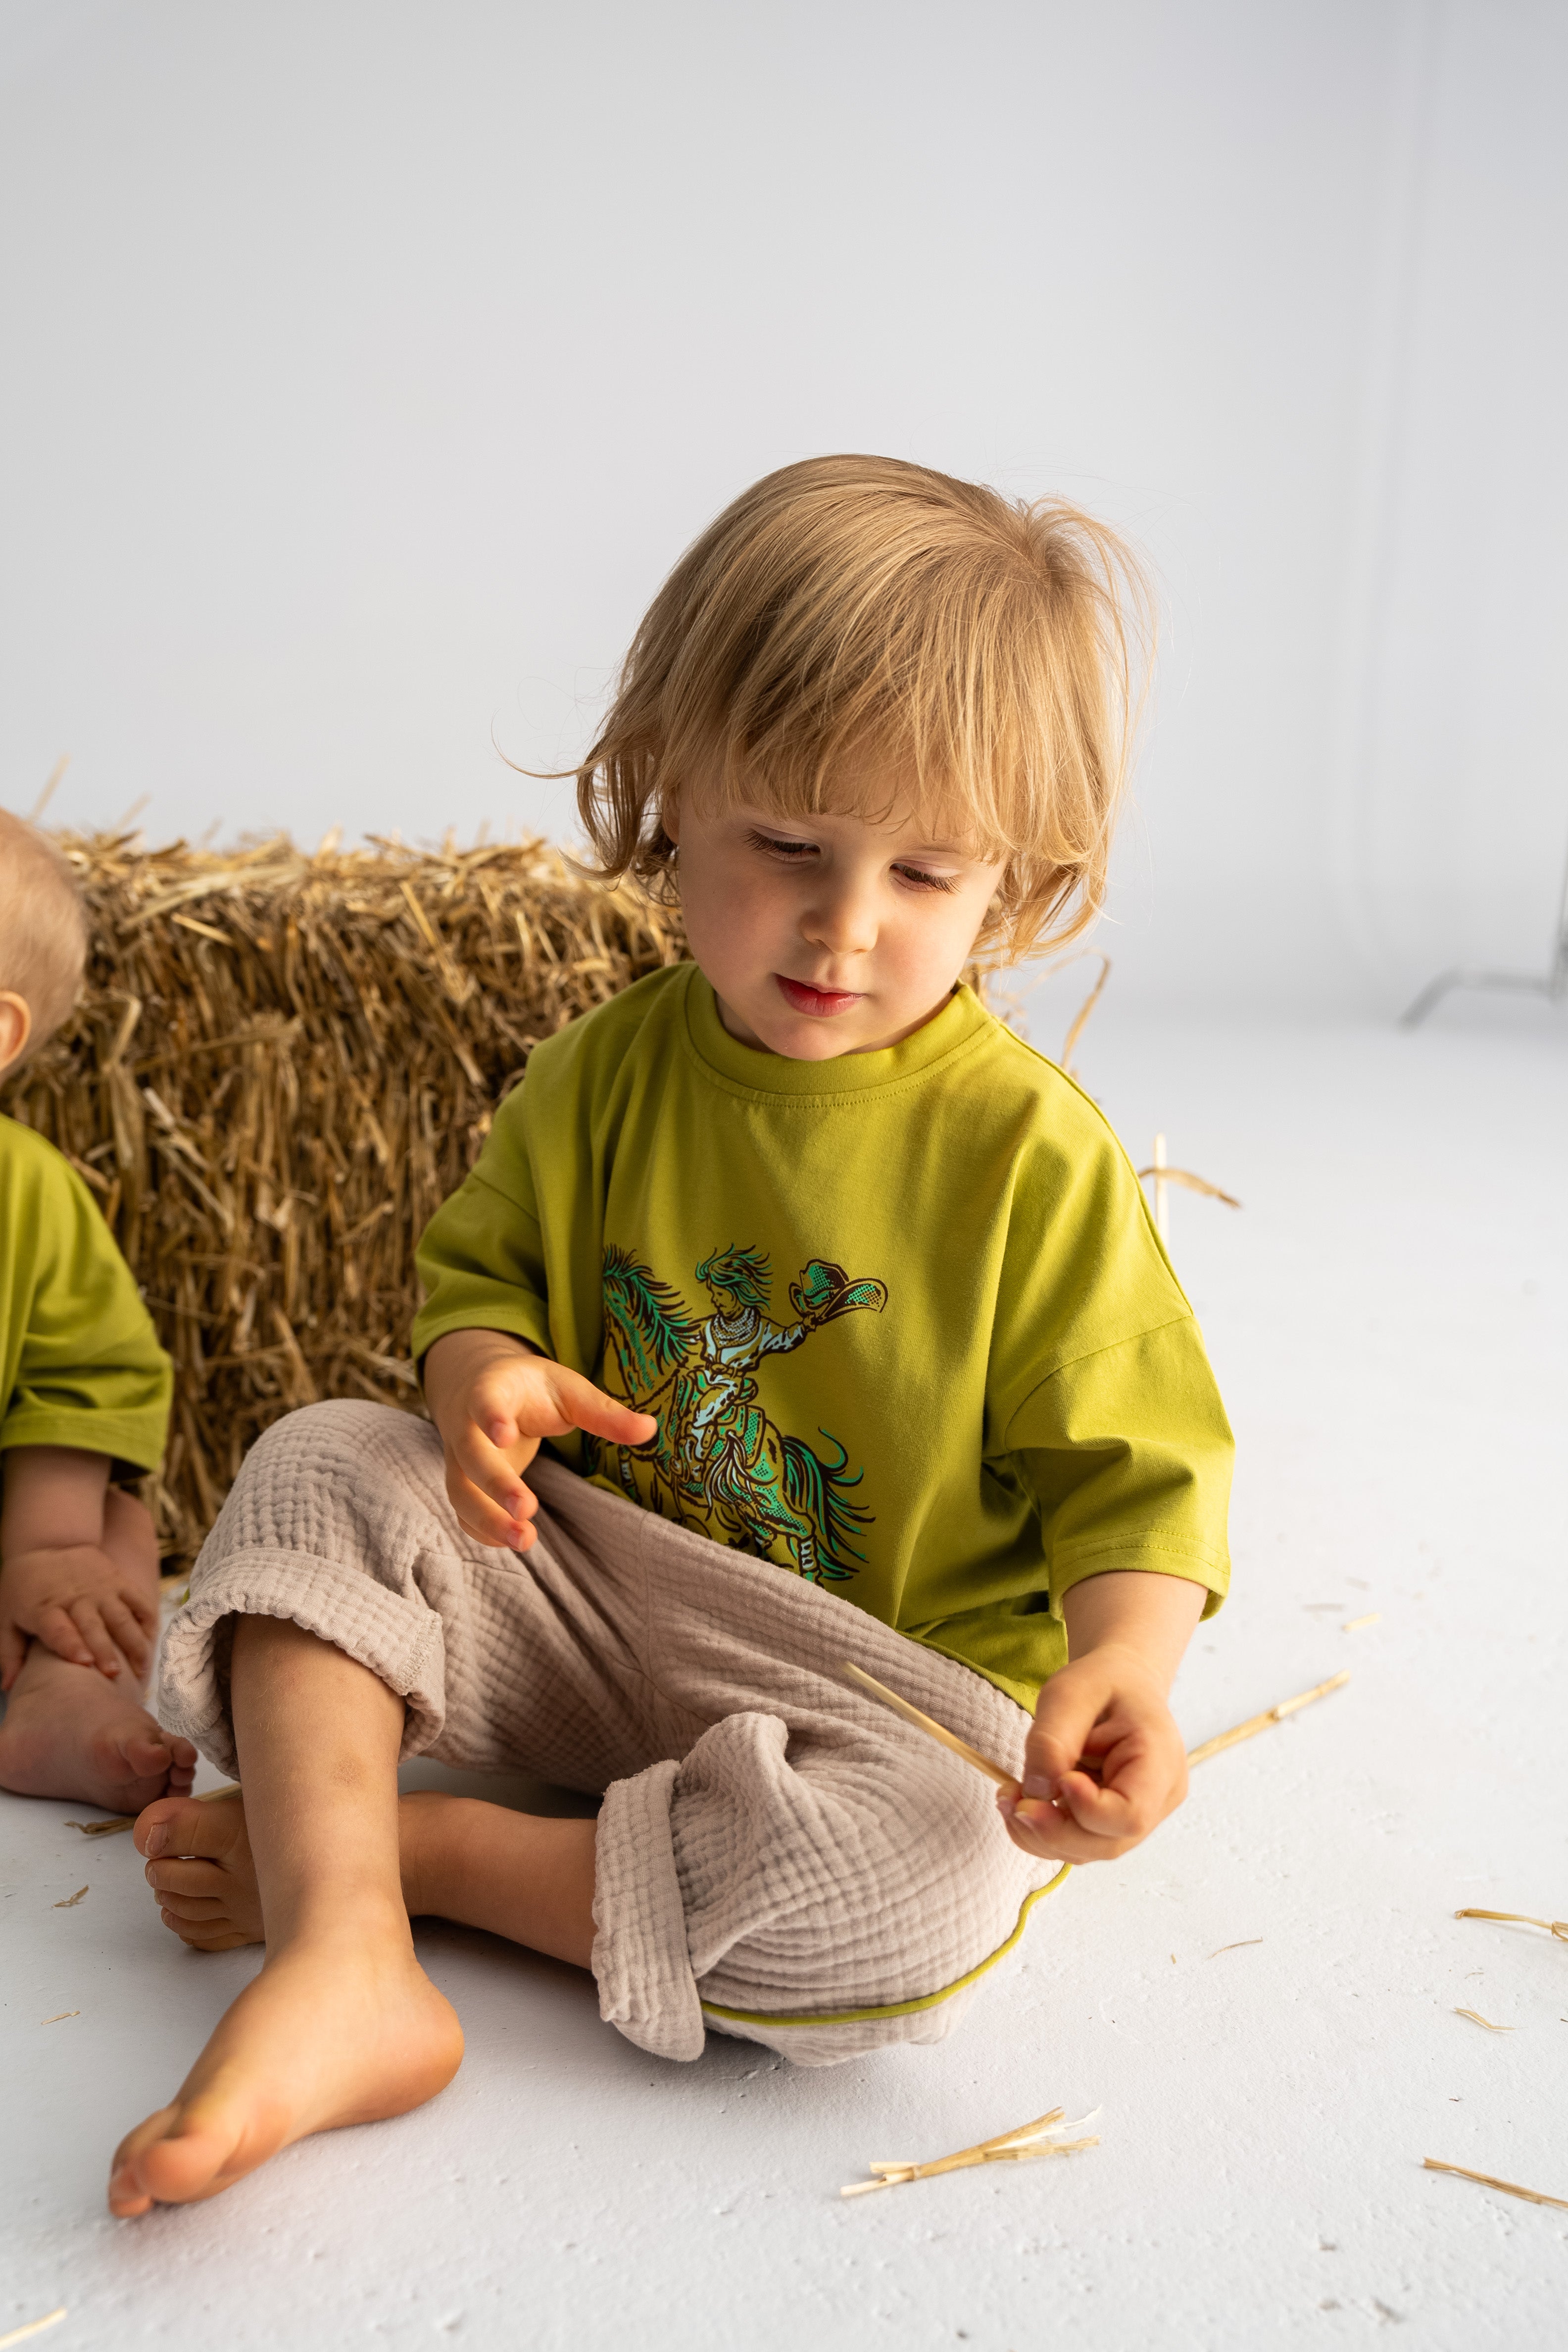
<point>15,1026</point>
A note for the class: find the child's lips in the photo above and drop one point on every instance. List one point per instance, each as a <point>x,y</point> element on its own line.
<point>822,1002</point>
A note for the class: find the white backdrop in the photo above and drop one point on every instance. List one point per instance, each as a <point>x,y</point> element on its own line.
<point>367,364</point>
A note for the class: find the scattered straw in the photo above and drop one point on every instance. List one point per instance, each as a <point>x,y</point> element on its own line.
<point>1237,1948</point>
<point>34,2326</point>
<point>1029,2140</point>
<point>1186,1180</point>
<point>1558,1927</point>
<point>1477,2019</point>
<point>1490,2180</point>
<point>280,1065</point>
<point>69,1902</point>
<point>1354,1624</point>
<point>1271,1715</point>
<point>59,2017</point>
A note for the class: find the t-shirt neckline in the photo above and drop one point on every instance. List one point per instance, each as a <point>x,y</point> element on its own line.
<point>960,1021</point>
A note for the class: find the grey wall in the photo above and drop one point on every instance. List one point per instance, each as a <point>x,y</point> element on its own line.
<point>366,365</point>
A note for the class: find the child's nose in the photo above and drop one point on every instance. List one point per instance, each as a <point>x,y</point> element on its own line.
<point>843,920</point>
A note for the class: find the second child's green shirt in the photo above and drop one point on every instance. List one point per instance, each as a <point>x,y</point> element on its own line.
<point>80,1360</point>
<point>902,1317</point>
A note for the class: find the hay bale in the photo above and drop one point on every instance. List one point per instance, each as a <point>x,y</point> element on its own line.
<point>280,1064</point>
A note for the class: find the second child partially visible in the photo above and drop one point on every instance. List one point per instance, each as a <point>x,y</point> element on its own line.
<point>84,1406</point>
<point>796,1311</point>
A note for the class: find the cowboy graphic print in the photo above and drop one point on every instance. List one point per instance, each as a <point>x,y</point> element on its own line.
<point>720,1464</point>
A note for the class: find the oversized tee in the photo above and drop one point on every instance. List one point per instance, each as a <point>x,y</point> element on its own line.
<point>80,1361</point>
<point>902,1317</point>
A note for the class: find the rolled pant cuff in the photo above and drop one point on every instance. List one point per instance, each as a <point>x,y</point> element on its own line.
<point>640,1959</point>
<point>399,1640</point>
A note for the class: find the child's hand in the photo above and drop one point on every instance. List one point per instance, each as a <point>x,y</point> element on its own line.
<point>493,1400</point>
<point>1106,1711</point>
<point>75,1600</point>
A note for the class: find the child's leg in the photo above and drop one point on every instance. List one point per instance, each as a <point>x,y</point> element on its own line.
<point>341,2026</point>
<point>516,1874</point>
<point>69,1731</point>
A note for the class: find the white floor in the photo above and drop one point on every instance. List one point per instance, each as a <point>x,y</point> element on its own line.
<point>1389,1315</point>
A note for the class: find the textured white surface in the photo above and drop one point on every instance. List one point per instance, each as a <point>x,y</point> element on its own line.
<point>1388,1318</point>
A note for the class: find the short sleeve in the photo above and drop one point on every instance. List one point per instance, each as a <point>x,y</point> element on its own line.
<point>89,1369</point>
<point>481,1257</point>
<point>1127,1454</point>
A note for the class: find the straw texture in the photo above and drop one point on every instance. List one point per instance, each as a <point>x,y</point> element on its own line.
<point>279,1065</point>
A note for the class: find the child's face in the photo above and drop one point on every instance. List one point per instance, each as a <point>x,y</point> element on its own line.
<point>826,935</point>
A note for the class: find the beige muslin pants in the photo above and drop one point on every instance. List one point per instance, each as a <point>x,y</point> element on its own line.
<point>778,1856</point>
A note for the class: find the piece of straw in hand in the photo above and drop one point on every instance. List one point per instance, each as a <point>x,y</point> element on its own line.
<point>930,1726</point>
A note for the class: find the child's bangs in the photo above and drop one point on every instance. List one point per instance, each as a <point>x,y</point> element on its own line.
<point>869,638</point>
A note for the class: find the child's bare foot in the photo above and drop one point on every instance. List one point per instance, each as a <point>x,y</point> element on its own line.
<point>342,2026</point>
<point>199,1866</point>
<point>70,1732</point>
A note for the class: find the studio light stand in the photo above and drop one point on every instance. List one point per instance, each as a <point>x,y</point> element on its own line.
<point>1553,984</point>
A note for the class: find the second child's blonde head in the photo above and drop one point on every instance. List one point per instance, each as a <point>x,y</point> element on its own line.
<point>861,634</point>
<point>43,932</point>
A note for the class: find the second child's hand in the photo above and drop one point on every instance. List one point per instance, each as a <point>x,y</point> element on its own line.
<point>493,1398</point>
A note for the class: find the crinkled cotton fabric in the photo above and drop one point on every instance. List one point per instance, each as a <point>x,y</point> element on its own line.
<point>777,1856</point>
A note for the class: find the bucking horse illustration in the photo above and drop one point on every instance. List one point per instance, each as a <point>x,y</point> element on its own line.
<point>719,1464</point>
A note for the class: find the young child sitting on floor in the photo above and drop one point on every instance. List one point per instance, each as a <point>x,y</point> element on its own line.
<point>84,1391</point>
<point>840,1314</point>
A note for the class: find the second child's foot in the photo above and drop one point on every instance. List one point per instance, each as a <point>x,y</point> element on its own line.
<point>72,1733</point>
<point>341,2026</point>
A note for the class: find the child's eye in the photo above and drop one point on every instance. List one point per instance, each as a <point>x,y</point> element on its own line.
<point>925,881</point>
<point>793,850</point>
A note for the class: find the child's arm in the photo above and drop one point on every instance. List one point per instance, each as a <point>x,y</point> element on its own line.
<point>58,1584</point>
<point>1126,1632</point>
<point>492,1397</point>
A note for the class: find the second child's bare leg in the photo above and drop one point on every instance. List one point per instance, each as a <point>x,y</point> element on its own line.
<point>341,2025</point>
<point>517,1874</point>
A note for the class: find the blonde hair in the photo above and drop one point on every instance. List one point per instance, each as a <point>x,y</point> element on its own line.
<point>854,627</point>
<point>43,928</point>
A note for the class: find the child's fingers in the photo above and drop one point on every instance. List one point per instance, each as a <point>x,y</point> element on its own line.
<point>126,1629</point>
<point>1064,1720</point>
<point>13,1651</point>
<point>88,1619</point>
<point>486,1467</point>
<point>583,1406</point>
<point>1041,1829</point>
<point>479,1517</point>
<point>143,1607</point>
<point>58,1630</point>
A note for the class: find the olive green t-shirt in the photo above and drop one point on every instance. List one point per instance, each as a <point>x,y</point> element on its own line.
<point>79,1363</point>
<point>902,1317</point>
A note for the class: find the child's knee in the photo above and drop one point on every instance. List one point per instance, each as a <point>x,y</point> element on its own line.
<point>824,1905</point>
